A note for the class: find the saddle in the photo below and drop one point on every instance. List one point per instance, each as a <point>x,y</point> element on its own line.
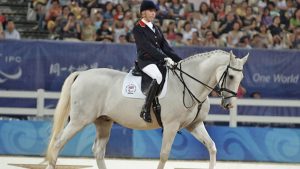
<point>146,80</point>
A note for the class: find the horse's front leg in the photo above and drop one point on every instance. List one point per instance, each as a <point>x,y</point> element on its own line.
<point>200,133</point>
<point>169,134</point>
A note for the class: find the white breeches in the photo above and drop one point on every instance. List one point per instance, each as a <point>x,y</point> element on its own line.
<point>153,71</point>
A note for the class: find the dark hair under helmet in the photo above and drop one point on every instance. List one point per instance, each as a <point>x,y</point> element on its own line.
<point>146,5</point>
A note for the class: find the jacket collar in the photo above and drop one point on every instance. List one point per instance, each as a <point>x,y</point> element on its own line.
<point>141,23</point>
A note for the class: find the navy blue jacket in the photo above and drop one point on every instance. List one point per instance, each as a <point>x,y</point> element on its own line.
<point>151,47</point>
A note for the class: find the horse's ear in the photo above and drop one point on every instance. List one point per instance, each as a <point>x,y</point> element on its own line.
<point>244,59</point>
<point>231,55</point>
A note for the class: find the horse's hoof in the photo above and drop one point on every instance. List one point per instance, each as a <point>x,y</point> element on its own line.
<point>50,167</point>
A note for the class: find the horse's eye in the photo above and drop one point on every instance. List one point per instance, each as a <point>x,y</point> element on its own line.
<point>231,77</point>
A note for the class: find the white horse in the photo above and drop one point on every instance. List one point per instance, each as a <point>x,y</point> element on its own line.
<point>95,96</point>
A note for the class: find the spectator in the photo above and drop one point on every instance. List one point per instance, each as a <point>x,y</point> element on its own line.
<point>41,13</point>
<point>291,8</point>
<point>89,4</point>
<point>129,37</point>
<point>119,29</point>
<point>244,42</point>
<point>118,12</point>
<point>247,20</point>
<point>217,6</point>
<point>75,9</point>
<point>262,4</point>
<point>135,7</point>
<point>98,19</point>
<point>195,41</point>
<point>241,91</point>
<point>72,29</point>
<point>234,36</point>
<point>178,41</point>
<point>52,29</point>
<point>105,34</point>
<point>242,9</point>
<point>2,20</point>
<point>266,37</point>
<point>62,20</point>
<point>210,40</point>
<point>227,24</point>
<point>187,7</point>
<point>295,39</point>
<point>274,11</point>
<point>187,32</point>
<point>54,11</point>
<point>11,32</point>
<point>83,14</point>
<point>1,32</point>
<point>171,31</point>
<point>278,42</point>
<point>108,13</point>
<point>176,10</point>
<point>206,17</point>
<point>295,20</point>
<point>257,42</point>
<point>122,39</point>
<point>220,14</point>
<point>88,32</point>
<point>266,18</point>
<point>163,10</point>
<point>251,29</point>
<point>128,20</point>
<point>275,28</point>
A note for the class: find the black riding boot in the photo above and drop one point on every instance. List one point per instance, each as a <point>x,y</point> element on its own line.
<point>145,113</point>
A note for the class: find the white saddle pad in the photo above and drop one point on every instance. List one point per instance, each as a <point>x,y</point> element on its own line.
<point>132,87</point>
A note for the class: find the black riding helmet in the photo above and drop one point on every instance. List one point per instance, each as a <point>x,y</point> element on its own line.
<point>147,5</point>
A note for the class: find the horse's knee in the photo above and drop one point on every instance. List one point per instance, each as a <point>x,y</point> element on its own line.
<point>212,148</point>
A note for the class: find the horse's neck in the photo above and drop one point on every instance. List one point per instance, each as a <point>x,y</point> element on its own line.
<point>205,71</point>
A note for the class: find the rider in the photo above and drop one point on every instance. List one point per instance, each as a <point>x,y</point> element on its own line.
<point>152,49</point>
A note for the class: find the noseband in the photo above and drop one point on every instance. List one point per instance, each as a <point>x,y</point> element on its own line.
<point>223,83</point>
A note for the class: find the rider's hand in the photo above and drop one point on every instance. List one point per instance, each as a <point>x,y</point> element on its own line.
<point>170,62</point>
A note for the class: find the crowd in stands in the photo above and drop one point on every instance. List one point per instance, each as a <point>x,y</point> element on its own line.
<point>273,24</point>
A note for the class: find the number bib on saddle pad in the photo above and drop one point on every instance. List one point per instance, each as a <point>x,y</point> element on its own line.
<point>132,87</point>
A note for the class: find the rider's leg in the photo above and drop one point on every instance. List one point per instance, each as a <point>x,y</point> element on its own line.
<point>152,71</point>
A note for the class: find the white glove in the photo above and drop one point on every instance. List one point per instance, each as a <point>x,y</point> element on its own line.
<point>170,62</point>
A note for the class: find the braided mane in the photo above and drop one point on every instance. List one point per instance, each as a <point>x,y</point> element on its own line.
<point>202,56</point>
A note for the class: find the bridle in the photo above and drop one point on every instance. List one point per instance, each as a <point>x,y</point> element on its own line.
<point>223,87</point>
<point>221,83</point>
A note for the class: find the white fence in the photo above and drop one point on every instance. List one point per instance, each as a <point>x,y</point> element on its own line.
<point>233,118</point>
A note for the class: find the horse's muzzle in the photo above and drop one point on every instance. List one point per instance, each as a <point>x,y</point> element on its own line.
<point>226,103</point>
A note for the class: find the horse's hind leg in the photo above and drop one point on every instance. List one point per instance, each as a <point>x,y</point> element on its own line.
<point>169,134</point>
<point>200,133</point>
<point>103,127</point>
<point>68,132</point>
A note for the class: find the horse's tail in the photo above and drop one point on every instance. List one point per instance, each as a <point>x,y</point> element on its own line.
<point>61,113</point>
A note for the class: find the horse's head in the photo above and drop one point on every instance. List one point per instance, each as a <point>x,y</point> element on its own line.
<point>229,78</point>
